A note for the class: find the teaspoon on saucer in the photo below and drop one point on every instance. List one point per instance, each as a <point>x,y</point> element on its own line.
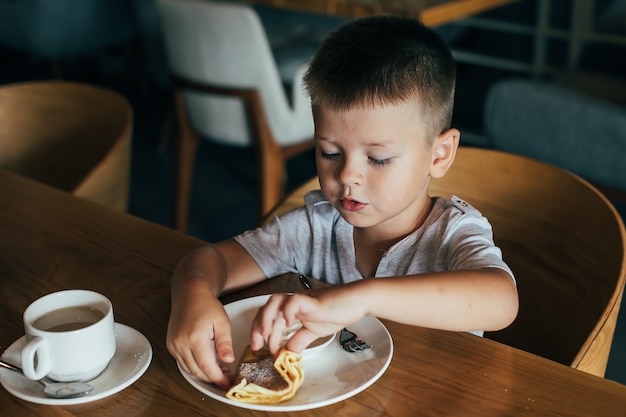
<point>55,389</point>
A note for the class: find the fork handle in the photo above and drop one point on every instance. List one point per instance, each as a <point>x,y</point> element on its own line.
<point>305,281</point>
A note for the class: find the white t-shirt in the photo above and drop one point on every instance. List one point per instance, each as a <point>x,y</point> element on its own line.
<point>316,241</point>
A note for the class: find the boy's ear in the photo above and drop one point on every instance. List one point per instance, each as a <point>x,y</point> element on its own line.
<point>444,151</point>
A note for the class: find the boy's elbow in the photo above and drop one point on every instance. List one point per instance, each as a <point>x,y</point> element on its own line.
<point>509,307</point>
<point>506,302</point>
<point>510,313</point>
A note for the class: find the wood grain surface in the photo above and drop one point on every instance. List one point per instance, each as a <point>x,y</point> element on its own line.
<point>51,240</point>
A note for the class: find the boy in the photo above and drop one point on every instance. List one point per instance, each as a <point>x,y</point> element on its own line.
<point>382,91</point>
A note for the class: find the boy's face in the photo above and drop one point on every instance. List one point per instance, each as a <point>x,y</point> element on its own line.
<point>374,165</point>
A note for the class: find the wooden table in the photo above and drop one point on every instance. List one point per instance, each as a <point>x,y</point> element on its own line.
<point>50,240</point>
<point>429,12</point>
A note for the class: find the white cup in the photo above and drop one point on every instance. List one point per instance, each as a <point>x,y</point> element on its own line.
<point>70,336</point>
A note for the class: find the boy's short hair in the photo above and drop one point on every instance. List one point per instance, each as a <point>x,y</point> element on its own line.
<point>385,60</point>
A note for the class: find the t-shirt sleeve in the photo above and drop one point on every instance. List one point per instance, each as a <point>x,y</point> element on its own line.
<point>470,243</point>
<point>282,245</point>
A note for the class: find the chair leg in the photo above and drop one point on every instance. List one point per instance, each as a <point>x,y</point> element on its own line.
<point>185,160</point>
<point>187,147</point>
<point>272,178</point>
<point>273,168</point>
<point>166,129</point>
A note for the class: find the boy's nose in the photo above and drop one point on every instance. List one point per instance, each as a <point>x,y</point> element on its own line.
<point>350,173</point>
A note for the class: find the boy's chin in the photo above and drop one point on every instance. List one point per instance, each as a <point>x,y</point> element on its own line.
<point>357,219</point>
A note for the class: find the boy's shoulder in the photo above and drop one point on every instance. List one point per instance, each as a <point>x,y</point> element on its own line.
<point>461,205</point>
<point>452,214</point>
<point>318,206</point>
<point>456,206</point>
<point>315,197</point>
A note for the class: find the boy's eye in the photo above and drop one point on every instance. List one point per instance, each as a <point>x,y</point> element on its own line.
<point>330,156</point>
<point>379,162</point>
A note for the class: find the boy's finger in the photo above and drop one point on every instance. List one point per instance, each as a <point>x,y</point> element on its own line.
<point>214,373</point>
<point>300,340</point>
<point>275,337</point>
<point>224,345</point>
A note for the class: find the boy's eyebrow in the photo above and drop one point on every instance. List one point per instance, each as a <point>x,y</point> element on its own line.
<point>374,144</point>
<point>380,144</point>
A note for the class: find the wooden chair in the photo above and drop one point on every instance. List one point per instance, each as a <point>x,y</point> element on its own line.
<point>562,238</point>
<point>228,89</point>
<point>72,136</point>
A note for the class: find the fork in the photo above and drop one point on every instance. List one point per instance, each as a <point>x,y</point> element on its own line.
<point>350,341</point>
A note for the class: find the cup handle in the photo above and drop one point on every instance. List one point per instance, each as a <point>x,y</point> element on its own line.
<point>36,358</point>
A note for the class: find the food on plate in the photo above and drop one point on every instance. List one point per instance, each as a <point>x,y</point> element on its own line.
<point>262,380</point>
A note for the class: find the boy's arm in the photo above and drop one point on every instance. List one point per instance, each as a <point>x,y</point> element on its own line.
<point>484,299</point>
<point>197,316</point>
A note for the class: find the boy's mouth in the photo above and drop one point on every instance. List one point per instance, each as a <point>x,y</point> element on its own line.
<point>351,205</point>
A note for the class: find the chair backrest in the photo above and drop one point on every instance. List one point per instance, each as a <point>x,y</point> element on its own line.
<point>225,45</point>
<point>565,243</point>
<point>562,238</point>
<point>71,136</point>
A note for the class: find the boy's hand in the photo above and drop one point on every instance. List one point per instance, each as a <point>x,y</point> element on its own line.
<point>321,312</point>
<point>190,331</point>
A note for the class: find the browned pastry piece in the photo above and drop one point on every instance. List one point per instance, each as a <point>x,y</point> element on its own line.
<point>262,380</point>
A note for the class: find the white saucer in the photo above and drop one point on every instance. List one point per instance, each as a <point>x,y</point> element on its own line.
<point>132,357</point>
<point>330,376</point>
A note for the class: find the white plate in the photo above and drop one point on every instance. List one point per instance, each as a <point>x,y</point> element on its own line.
<point>329,377</point>
<point>132,357</point>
